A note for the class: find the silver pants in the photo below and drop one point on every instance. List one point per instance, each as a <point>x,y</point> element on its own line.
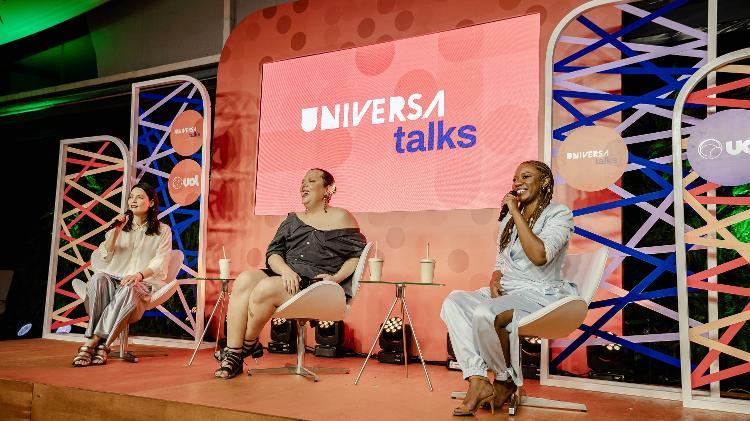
<point>470,318</point>
<point>111,306</point>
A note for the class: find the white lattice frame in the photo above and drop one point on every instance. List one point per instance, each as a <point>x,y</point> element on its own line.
<point>695,398</point>
<point>205,171</point>
<point>52,273</point>
<point>633,389</point>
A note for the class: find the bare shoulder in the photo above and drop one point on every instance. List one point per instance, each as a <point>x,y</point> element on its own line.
<point>342,218</point>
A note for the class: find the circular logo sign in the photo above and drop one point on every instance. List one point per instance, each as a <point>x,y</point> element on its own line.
<point>719,148</point>
<point>185,133</point>
<point>592,158</point>
<point>185,182</point>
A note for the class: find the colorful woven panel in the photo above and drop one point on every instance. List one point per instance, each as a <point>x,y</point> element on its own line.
<point>596,70</point>
<point>92,174</point>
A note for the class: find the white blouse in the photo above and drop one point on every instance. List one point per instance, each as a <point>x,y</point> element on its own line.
<point>520,275</point>
<point>135,251</point>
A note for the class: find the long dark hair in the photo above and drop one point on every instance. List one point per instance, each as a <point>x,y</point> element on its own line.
<point>544,201</point>
<point>152,220</point>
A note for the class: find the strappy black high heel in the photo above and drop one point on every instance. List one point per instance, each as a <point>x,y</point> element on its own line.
<point>252,348</point>
<point>249,349</point>
<point>231,363</point>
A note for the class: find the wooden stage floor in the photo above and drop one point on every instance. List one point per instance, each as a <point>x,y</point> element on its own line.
<point>37,382</point>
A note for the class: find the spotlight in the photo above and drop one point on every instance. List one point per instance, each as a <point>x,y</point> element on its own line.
<point>607,362</point>
<point>24,329</point>
<point>283,336</point>
<point>531,351</point>
<point>329,336</point>
<point>392,341</point>
<point>451,363</point>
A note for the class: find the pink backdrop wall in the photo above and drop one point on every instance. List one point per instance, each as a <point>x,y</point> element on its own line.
<point>461,241</point>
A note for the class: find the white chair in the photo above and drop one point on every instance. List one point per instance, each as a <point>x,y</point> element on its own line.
<point>561,318</point>
<point>324,300</point>
<point>158,298</point>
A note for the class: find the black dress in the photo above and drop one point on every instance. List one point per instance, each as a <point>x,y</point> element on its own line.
<point>311,252</point>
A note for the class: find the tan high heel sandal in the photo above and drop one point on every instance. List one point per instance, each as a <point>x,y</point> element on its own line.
<point>463,410</point>
<point>503,391</point>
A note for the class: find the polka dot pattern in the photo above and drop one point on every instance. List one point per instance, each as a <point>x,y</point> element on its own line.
<point>538,9</point>
<point>374,59</point>
<point>283,24</point>
<point>461,241</point>
<point>458,261</point>
<point>366,28</point>
<point>386,6</point>
<point>298,41</point>
<point>404,20</point>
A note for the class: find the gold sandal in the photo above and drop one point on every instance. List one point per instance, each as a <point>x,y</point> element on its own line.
<point>463,410</point>
<point>102,353</point>
<point>85,353</point>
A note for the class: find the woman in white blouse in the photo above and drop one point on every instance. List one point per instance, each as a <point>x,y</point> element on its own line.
<point>133,260</point>
<point>531,247</point>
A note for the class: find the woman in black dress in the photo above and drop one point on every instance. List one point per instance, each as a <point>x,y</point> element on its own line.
<point>321,243</point>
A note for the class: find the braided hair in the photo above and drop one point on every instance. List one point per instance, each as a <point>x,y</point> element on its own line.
<point>544,200</point>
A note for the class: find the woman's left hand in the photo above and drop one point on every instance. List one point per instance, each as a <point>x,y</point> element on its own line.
<point>131,279</point>
<point>326,277</point>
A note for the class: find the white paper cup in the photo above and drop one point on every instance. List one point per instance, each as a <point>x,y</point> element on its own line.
<point>376,268</point>
<point>225,268</point>
<point>427,271</point>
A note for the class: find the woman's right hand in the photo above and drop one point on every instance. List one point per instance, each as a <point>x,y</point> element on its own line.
<point>291,280</point>
<point>120,220</point>
<point>496,289</point>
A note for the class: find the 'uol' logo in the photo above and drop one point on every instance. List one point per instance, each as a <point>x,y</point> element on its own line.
<point>710,149</point>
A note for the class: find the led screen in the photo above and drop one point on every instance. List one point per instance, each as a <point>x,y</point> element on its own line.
<point>433,122</point>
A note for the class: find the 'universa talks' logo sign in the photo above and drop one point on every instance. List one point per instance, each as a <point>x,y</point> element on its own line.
<point>719,148</point>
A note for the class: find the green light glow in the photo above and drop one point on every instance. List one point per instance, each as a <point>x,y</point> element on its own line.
<point>21,18</point>
<point>31,106</point>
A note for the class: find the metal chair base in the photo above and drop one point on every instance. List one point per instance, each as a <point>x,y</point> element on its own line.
<point>300,368</point>
<point>536,403</point>
<point>306,372</point>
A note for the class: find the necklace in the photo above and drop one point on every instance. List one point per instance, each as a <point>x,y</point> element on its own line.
<point>139,226</point>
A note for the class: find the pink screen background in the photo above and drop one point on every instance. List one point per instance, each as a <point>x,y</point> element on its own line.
<point>489,74</point>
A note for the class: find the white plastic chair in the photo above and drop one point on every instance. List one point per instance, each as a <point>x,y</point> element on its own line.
<point>561,318</point>
<point>324,300</point>
<point>158,297</point>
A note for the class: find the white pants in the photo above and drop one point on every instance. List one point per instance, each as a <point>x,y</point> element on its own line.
<point>470,318</point>
<point>110,305</point>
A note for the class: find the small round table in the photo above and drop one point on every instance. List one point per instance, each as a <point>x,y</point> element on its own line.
<point>400,295</point>
<point>220,300</point>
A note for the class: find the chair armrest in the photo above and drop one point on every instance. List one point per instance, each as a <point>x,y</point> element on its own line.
<point>557,320</point>
<point>161,295</point>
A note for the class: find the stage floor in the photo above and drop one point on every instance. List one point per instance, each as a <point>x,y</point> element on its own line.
<point>161,388</point>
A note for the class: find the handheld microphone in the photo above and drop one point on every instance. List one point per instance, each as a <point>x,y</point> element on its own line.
<point>504,209</point>
<point>129,214</point>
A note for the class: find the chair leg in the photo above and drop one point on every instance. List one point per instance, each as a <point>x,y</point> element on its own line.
<point>125,355</point>
<point>299,368</point>
<point>522,400</point>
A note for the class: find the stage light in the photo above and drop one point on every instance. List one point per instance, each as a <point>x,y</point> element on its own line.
<point>531,352</point>
<point>329,336</point>
<point>24,329</point>
<point>283,336</point>
<point>392,341</point>
<point>607,362</point>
